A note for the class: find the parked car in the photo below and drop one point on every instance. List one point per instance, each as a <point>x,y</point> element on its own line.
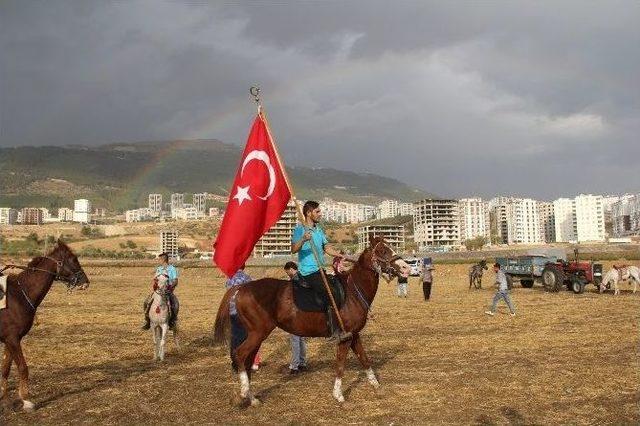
<point>415,265</point>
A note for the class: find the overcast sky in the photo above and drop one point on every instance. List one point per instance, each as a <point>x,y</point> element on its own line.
<point>462,98</point>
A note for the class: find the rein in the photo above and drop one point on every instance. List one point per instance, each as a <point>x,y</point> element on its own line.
<point>70,281</point>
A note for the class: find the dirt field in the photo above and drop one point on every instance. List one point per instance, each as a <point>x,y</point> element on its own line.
<point>564,358</point>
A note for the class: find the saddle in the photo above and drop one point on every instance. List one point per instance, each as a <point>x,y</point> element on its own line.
<point>307,300</point>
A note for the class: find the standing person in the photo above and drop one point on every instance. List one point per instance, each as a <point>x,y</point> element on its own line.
<point>502,292</point>
<point>238,332</point>
<point>298,343</point>
<point>427,278</point>
<point>172,274</point>
<point>305,234</point>
<point>403,286</point>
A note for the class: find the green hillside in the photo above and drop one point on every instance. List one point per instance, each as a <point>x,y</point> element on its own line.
<point>119,176</point>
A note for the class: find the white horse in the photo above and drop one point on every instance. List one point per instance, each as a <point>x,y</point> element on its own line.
<point>159,318</point>
<point>622,274</point>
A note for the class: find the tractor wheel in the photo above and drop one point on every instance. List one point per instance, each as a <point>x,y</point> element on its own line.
<point>577,286</point>
<point>552,279</point>
<point>526,283</point>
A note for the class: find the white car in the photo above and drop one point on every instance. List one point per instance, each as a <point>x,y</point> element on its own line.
<point>415,265</point>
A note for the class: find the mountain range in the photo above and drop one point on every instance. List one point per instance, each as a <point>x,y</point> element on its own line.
<point>119,176</point>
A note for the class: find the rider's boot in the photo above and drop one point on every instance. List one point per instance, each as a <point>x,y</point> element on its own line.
<point>336,333</point>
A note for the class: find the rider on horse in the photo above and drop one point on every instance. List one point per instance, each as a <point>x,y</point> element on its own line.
<point>172,274</point>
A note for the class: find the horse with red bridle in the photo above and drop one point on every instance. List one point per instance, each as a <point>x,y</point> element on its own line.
<point>268,303</point>
<point>25,292</point>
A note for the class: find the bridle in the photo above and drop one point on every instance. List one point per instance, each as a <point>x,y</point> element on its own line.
<point>381,265</point>
<point>71,281</point>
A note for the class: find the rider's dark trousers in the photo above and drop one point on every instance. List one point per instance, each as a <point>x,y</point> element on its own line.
<point>238,335</point>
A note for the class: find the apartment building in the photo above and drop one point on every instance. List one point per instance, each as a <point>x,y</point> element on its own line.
<point>547,222</point>
<point>579,219</point>
<point>32,216</point>
<point>277,240</point>
<point>516,220</point>
<point>82,211</point>
<point>155,202</point>
<point>169,243</point>
<point>177,201</point>
<point>625,215</point>
<point>436,223</point>
<point>393,235</point>
<point>474,219</point>
<point>8,216</point>
<point>200,202</point>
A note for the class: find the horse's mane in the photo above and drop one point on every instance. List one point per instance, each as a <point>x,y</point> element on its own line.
<point>35,262</point>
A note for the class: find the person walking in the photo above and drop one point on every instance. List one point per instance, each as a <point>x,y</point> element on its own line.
<point>427,278</point>
<point>502,292</point>
<point>298,344</point>
<point>403,286</point>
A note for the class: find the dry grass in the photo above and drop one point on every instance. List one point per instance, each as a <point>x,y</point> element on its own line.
<point>564,358</point>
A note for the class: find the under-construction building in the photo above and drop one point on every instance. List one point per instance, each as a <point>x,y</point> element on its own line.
<point>436,223</point>
<point>169,243</point>
<point>277,240</point>
<point>392,234</point>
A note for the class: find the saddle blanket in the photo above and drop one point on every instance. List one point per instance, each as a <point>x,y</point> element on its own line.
<point>3,292</point>
<point>308,301</point>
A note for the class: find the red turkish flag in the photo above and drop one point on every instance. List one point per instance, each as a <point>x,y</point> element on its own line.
<point>258,197</point>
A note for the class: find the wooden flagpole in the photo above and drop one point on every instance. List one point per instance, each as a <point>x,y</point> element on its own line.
<point>261,113</point>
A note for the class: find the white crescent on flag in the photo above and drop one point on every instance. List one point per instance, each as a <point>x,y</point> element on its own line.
<point>264,157</point>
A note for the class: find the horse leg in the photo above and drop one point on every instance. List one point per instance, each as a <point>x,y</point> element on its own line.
<point>341,357</point>
<point>358,349</point>
<point>154,331</point>
<point>7,358</point>
<point>23,371</point>
<point>479,282</point>
<point>163,339</point>
<point>245,353</point>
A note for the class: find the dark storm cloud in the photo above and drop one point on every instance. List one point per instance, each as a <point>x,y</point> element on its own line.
<point>458,98</point>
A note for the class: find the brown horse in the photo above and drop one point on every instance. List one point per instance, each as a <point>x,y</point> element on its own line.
<point>25,292</point>
<point>267,303</point>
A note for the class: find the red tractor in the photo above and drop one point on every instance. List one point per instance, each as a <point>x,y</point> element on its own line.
<point>575,274</point>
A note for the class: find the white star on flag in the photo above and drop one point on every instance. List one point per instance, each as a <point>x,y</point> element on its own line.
<point>242,194</point>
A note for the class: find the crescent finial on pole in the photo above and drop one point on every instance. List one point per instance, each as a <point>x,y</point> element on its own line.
<point>255,92</point>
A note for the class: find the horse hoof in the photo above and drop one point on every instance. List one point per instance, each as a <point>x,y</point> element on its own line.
<point>28,406</point>
<point>339,398</point>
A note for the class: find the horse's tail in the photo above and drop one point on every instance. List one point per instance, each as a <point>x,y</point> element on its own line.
<point>223,321</point>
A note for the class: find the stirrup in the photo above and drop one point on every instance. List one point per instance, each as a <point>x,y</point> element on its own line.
<point>345,336</point>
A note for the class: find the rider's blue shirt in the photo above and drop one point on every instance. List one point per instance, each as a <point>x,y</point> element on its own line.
<point>169,270</point>
<point>306,262</point>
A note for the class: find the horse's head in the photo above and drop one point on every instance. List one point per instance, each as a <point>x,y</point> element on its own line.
<point>483,264</point>
<point>384,260</point>
<point>68,268</point>
<point>161,282</point>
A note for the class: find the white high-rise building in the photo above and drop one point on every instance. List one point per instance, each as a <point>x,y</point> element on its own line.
<point>200,202</point>
<point>82,211</point>
<point>579,219</point>
<point>406,209</point>
<point>65,214</point>
<point>516,219</point>
<point>474,219</point>
<point>342,212</point>
<point>155,202</point>
<point>8,216</point>
<point>387,209</point>
<point>177,201</point>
